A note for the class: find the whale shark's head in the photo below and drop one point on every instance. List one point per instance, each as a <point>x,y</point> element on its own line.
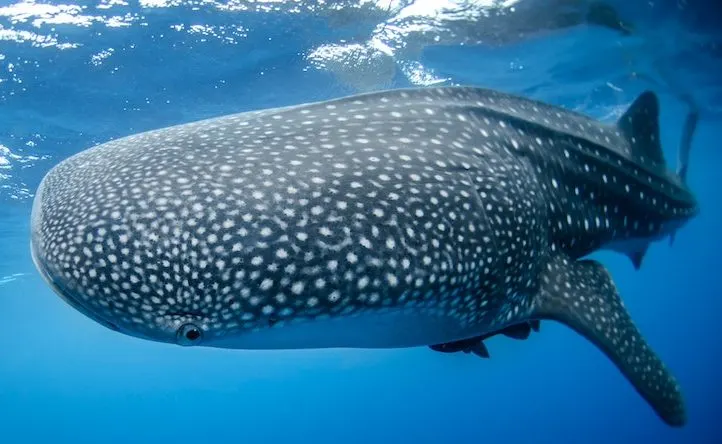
<point>57,248</point>
<point>129,234</point>
<point>185,284</point>
<point>132,269</point>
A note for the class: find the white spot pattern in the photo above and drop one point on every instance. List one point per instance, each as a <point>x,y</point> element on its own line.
<point>440,200</point>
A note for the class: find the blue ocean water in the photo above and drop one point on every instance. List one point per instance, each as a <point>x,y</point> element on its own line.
<point>76,74</point>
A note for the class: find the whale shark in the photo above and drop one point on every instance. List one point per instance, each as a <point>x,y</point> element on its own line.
<point>392,219</point>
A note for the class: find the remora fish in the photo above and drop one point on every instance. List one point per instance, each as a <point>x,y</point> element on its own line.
<point>390,219</point>
<point>476,344</point>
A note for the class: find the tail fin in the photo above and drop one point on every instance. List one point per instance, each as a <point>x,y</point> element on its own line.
<point>581,295</point>
<point>685,144</point>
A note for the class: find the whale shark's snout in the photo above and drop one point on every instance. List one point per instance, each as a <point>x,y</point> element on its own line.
<point>70,248</point>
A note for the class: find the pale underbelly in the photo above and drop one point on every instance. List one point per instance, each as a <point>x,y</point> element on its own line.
<point>388,329</point>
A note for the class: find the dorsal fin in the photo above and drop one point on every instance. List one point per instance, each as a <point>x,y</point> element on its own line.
<point>640,126</point>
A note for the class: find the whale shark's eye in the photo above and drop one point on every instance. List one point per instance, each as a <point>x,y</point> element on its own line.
<point>189,334</point>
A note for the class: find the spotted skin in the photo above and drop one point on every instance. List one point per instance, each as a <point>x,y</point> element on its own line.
<point>389,219</point>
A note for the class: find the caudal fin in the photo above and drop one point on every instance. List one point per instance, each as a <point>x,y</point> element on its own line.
<point>581,295</point>
<point>685,147</point>
<point>685,144</point>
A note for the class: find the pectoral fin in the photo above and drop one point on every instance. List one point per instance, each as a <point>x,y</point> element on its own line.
<point>582,295</point>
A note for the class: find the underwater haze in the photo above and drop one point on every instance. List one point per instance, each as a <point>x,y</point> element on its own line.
<point>75,74</point>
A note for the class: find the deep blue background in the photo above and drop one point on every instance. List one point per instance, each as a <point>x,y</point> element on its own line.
<point>65,379</point>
